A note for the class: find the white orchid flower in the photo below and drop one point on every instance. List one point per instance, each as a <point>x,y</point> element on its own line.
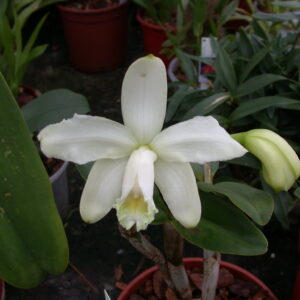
<point>130,158</point>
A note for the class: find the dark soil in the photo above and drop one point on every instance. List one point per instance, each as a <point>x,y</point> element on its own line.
<point>99,257</point>
<point>229,287</point>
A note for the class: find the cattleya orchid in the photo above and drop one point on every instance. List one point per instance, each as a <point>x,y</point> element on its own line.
<point>130,158</point>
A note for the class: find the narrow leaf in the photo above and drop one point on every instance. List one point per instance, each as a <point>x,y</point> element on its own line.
<point>206,106</point>
<point>256,83</point>
<point>252,106</point>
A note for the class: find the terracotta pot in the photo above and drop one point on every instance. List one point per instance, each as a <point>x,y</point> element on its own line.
<point>27,93</point>
<point>154,37</point>
<point>96,38</point>
<point>239,272</point>
<point>2,290</point>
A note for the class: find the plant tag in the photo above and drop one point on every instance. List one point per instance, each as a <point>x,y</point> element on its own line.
<point>206,48</point>
<point>205,69</point>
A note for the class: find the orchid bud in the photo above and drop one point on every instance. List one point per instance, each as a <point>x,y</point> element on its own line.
<point>280,163</point>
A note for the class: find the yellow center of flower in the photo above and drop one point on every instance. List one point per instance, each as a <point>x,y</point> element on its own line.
<point>135,201</point>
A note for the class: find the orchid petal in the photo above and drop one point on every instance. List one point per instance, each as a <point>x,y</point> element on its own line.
<point>177,184</point>
<point>198,140</point>
<point>102,188</point>
<point>136,205</point>
<point>144,97</point>
<point>84,138</point>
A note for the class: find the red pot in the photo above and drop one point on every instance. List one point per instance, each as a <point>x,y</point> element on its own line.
<point>96,38</point>
<point>154,37</point>
<point>2,290</point>
<point>134,285</point>
<point>27,93</point>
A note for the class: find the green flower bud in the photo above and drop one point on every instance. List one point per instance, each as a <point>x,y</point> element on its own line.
<point>280,163</point>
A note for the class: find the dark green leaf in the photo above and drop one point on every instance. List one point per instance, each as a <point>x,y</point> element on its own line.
<point>257,204</point>
<point>257,82</point>
<point>224,228</point>
<point>253,62</point>
<point>287,4</point>
<point>281,207</point>
<point>3,6</point>
<point>247,160</point>
<point>252,106</point>
<point>225,70</point>
<point>283,17</point>
<point>206,105</point>
<point>32,238</point>
<point>84,170</point>
<point>52,107</point>
<point>228,11</point>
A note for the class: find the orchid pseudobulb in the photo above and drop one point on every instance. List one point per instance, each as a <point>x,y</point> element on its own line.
<point>130,158</point>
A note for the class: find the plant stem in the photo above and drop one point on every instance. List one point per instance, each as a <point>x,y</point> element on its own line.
<point>173,246</point>
<point>140,243</point>
<point>211,260</point>
<point>211,266</point>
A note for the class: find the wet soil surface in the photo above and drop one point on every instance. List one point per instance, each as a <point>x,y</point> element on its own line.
<point>100,257</point>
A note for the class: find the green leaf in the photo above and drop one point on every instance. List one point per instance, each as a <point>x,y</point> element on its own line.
<point>224,228</point>
<point>252,106</point>
<point>32,237</point>
<point>260,30</point>
<point>283,17</point>
<point>3,6</point>
<point>52,107</point>
<point>253,62</point>
<point>84,170</point>
<point>199,14</point>
<point>207,105</point>
<point>33,36</point>
<point>287,4</point>
<point>281,206</point>
<point>177,98</point>
<point>247,160</point>
<point>257,204</point>
<point>187,66</point>
<point>257,82</point>
<point>297,192</point>
<point>225,70</point>
<point>228,11</point>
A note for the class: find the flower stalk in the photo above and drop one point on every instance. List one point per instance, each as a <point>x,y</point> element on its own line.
<point>141,244</point>
<point>211,260</point>
<point>173,246</point>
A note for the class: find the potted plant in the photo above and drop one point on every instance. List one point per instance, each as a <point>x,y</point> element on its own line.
<point>246,283</point>
<point>130,158</point>
<point>156,19</point>
<point>16,54</point>
<point>96,33</point>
